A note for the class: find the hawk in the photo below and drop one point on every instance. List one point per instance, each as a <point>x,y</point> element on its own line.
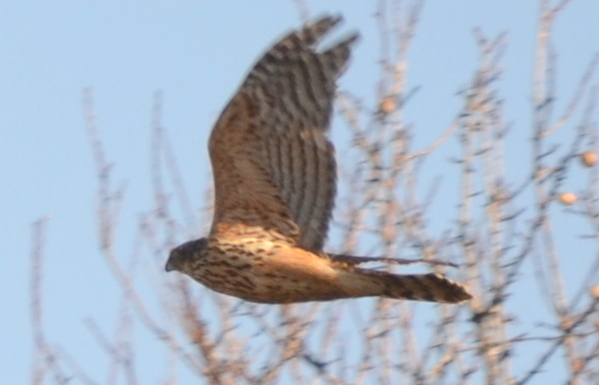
<point>275,184</point>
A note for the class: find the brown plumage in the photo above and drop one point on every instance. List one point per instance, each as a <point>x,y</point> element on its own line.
<point>275,185</point>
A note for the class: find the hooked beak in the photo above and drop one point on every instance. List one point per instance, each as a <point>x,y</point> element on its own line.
<point>169,265</point>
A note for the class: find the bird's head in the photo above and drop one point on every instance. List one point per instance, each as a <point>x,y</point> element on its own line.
<point>182,255</point>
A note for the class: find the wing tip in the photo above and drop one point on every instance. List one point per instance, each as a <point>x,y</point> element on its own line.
<point>316,28</point>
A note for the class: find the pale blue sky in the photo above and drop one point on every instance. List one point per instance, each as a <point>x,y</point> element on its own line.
<point>197,52</point>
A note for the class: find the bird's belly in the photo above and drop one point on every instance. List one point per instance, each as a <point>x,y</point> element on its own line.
<point>269,276</point>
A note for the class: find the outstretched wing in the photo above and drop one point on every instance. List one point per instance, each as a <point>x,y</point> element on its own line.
<point>273,165</point>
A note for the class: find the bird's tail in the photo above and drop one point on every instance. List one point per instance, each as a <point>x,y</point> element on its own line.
<point>419,287</point>
<point>422,287</point>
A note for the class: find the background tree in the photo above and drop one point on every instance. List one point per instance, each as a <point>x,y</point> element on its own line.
<point>503,230</point>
